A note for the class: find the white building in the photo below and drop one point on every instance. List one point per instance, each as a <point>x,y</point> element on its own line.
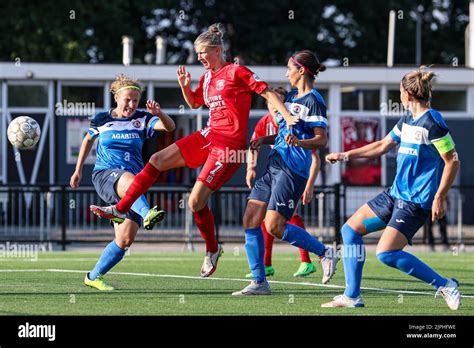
<point>61,96</point>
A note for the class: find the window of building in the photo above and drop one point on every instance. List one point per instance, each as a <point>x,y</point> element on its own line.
<point>449,100</point>
<point>455,100</point>
<point>354,98</point>
<point>84,94</point>
<point>169,97</point>
<point>27,96</point>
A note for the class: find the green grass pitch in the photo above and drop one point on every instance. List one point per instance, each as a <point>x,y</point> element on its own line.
<point>169,284</point>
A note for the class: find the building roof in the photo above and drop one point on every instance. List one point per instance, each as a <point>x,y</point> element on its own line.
<point>167,73</point>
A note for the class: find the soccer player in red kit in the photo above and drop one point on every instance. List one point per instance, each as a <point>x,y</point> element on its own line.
<point>226,89</point>
<point>266,126</point>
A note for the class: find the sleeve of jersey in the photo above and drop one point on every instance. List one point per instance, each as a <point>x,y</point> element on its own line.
<point>396,132</point>
<point>316,118</point>
<point>93,127</point>
<point>151,122</point>
<point>199,93</point>
<point>251,80</point>
<point>441,139</point>
<point>259,130</point>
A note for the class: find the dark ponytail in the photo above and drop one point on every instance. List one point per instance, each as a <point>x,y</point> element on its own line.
<point>309,61</point>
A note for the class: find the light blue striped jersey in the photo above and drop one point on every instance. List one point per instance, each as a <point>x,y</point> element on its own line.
<point>419,164</point>
<point>120,140</point>
<point>311,109</point>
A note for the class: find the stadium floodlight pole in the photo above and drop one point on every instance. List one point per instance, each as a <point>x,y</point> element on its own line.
<point>391,38</point>
<point>160,42</point>
<point>470,37</point>
<point>127,52</point>
<point>419,21</point>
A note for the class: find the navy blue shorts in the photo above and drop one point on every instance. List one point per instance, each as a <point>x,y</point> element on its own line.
<point>406,217</point>
<point>104,182</point>
<point>279,186</point>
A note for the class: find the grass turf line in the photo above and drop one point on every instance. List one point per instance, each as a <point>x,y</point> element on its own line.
<point>63,293</point>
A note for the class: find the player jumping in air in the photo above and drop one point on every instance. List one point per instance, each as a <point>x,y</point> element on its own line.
<point>427,164</point>
<point>275,195</point>
<point>121,133</point>
<point>266,126</point>
<point>226,89</point>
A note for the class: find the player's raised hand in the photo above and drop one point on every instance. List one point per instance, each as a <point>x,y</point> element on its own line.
<point>336,156</point>
<point>75,180</point>
<point>184,77</point>
<point>291,139</point>
<point>291,121</point>
<point>256,143</point>
<point>153,107</point>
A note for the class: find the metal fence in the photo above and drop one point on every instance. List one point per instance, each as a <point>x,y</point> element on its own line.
<point>60,214</point>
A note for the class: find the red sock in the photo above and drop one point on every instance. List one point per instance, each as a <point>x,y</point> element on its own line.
<point>140,185</point>
<point>268,245</point>
<point>298,221</point>
<point>205,222</point>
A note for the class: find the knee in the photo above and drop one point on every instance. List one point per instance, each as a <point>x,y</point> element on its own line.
<point>195,205</point>
<point>388,258</point>
<point>156,161</point>
<point>275,228</point>
<point>251,219</point>
<point>248,220</point>
<point>349,235</point>
<point>125,237</point>
<point>124,241</point>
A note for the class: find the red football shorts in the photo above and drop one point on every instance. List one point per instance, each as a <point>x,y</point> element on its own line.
<point>197,151</point>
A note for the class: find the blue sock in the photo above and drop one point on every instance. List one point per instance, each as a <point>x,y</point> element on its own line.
<point>111,255</point>
<point>298,237</point>
<point>413,266</point>
<point>354,259</point>
<point>255,248</point>
<point>141,206</point>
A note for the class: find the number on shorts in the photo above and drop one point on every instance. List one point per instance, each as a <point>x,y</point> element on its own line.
<point>219,165</point>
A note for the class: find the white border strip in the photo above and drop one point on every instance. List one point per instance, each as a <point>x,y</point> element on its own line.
<point>223,279</point>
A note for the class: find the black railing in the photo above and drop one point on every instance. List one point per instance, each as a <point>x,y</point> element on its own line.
<point>57,213</point>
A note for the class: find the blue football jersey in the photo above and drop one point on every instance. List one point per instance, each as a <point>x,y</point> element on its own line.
<point>419,164</point>
<point>311,109</point>
<point>120,140</point>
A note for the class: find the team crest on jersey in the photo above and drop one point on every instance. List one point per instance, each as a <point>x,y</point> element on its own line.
<point>296,109</point>
<point>136,124</point>
<point>418,135</point>
<point>220,85</point>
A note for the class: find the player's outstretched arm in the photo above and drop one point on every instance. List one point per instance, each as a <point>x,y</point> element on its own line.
<point>86,147</point>
<point>184,80</point>
<point>319,140</point>
<point>372,150</point>
<point>267,140</point>
<point>451,168</point>
<point>273,98</point>
<point>165,123</point>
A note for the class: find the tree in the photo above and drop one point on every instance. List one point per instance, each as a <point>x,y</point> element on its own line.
<point>260,32</point>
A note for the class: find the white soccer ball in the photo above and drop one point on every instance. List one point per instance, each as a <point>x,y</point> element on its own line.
<point>23,132</point>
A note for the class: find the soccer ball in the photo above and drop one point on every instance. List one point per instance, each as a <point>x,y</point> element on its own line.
<point>23,132</point>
